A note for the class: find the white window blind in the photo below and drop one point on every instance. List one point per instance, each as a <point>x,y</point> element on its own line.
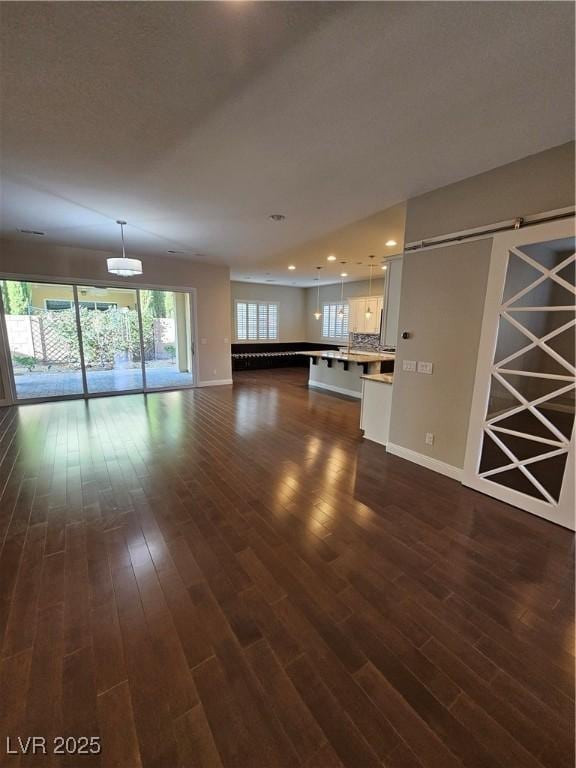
<point>256,320</point>
<point>335,326</point>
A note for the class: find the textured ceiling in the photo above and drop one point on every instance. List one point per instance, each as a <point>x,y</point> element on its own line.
<point>195,121</point>
<point>352,245</point>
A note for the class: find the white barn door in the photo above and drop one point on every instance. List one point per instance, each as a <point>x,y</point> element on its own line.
<point>520,445</point>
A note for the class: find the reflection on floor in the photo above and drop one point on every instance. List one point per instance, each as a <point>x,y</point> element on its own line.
<point>198,580</point>
<point>70,382</point>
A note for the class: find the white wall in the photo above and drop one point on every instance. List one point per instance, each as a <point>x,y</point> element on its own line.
<point>291,301</point>
<point>212,284</point>
<point>296,320</point>
<point>542,182</point>
<point>443,291</point>
<point>441,306</point>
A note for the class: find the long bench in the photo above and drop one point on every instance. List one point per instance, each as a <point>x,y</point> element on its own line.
<point>278,354</point>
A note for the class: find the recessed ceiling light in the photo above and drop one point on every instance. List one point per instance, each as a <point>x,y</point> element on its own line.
<point>32,232</point>
<point>343,274</point>
<point>291,266</point>
<point>331,257</point>
<point>277,217</point>
<point>384,266</point>
<point>391,243</point>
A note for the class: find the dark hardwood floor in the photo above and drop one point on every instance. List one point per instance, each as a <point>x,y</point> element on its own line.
<point>232,577</point>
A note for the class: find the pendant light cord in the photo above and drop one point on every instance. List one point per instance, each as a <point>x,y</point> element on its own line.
<point>122,236</point>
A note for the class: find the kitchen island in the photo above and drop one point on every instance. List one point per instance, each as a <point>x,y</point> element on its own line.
<point>341,371</point>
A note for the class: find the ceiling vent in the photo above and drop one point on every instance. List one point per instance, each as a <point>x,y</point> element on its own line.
<point>32,232</point>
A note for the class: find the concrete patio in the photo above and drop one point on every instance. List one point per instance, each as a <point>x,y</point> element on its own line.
<point>58,384</point>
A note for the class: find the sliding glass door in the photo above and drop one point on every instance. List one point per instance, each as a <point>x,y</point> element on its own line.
<point>69,341</point>
<point>110,328</point>
<point>42,337</point>
<point>166,334</point>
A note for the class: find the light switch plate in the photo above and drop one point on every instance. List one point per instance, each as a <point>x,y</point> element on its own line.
<point>409,365</point>
<point>424,367</point>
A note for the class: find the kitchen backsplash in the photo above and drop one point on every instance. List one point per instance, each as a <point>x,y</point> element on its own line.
<point>370,341</point>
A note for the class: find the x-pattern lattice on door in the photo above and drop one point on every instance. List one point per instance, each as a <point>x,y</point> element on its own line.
<point>557,443</point>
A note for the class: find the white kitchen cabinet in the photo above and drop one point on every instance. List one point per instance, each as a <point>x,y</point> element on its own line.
<point>376,304</point>
<point>358,322</point>
<point>389,333</point>
<point>355,318</point>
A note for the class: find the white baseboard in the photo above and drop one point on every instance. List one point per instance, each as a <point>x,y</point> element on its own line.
<point>426,461</point>
<point>373,439</point>
<point>332,388</point>
<point>214,383</point>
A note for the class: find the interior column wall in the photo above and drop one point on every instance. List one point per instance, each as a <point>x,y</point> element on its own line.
<point>443,292</point>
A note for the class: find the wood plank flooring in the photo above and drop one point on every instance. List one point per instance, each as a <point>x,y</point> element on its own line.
<point>232,577</point>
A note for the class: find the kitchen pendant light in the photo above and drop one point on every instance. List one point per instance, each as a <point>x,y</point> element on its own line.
<point>368,313</point>
<point>318,314</point>
<point>123,266</point>
<point>341,310</point>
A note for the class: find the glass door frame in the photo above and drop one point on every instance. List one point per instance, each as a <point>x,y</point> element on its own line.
<point>7,369</point>
<point>6,374</point>
<point>132,391</point>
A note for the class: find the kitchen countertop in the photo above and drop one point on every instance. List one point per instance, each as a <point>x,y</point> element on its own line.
<point>364,357</point>
<point>383,378</point>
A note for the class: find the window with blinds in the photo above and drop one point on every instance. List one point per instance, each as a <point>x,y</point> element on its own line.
<point>256,320</point>
<point>334,324</point>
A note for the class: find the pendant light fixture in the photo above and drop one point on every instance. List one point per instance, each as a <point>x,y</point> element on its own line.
<point>368,313</point>
<point>124,266</point>
<point>341,310</point>
<point>318,314</point>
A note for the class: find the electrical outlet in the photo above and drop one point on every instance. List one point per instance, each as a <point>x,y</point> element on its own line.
<point>409,365</point>
<point>429,438</point>
<point>424,367</point>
